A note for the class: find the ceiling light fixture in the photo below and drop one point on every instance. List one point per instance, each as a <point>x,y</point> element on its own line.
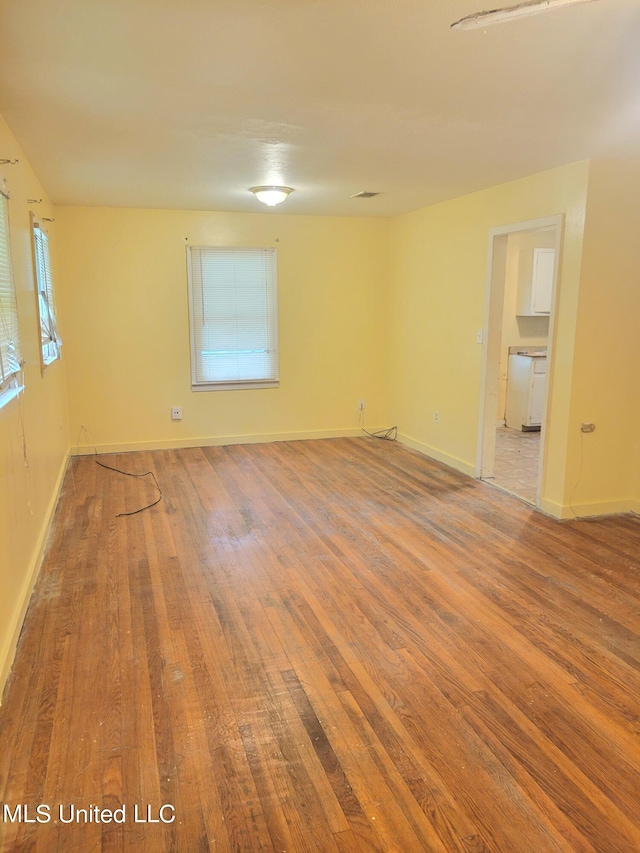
<point>271,195</point>
<point>499,16</point>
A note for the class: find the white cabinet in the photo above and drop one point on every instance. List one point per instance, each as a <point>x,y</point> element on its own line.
<point>526,388</point>
<point>535,283</point>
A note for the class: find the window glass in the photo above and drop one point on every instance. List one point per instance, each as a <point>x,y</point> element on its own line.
<point>10,359</point>
<point>234,325</point>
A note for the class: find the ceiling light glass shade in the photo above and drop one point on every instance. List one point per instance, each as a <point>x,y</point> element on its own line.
<point>271,195</point>
<point>520,10</point>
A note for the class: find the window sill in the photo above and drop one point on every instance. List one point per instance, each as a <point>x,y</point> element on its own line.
<point>236,386</point>
<point>47,361</point>
<point>10,393</point>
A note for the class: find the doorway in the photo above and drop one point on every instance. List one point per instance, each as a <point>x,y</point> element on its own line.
<point>522,273</point>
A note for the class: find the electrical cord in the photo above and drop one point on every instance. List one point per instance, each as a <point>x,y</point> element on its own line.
<point>577,482</point>
<point>127,474</point>
<point>131,474</point>
<point>390,434</point>
<point>576,517</point>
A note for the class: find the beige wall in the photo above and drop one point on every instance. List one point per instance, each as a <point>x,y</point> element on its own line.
<point>33,428</point>
<point>606,368</point>
<point>368,308</point>
<point>438,284</point>
<point>124,301</point>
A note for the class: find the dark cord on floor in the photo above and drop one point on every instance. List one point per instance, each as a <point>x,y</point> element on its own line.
<point>126,473</point>
<point>390,434</point>
<point>131,474</point>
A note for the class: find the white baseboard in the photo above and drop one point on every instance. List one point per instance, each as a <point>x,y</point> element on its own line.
<point>439,455</point>
<point>213,441</point>
<point>588,510</point>
<point>556,510</point>
<point>8,649</point>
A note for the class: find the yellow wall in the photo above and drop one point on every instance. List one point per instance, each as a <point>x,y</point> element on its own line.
<point>606,369</point>
<point>37,420</point>
<point>124,302</point>
<point>438,274</point>
<point>368,308</point>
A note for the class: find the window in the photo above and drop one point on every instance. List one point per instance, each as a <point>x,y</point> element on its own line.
<point>234,318</point>
<point>10,361</point>
<point>49,339</point>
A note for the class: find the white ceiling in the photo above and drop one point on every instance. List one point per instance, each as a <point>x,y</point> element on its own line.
<point>188,103</point>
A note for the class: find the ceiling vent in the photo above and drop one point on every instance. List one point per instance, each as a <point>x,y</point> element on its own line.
<point>364,194</point>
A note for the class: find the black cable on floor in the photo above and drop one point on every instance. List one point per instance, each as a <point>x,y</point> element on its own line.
<point>390,434</point>
<point>131,474</point>
<point>120,471</point>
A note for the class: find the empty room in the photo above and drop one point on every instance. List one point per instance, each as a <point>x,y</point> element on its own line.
<point>319,426</point>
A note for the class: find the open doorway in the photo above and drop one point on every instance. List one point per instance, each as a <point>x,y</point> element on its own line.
<point>523,262</point>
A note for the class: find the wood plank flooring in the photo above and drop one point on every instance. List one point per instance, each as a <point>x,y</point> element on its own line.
<point>323,646</point>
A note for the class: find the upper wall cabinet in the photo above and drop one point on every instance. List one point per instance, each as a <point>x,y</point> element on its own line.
<point>535,282</point>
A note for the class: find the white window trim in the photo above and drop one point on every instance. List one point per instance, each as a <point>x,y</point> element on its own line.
<point>235,386</point>
<point>13,389</point>
<point>49,298</point>
<point>228,385</point>
<point>11,385</point>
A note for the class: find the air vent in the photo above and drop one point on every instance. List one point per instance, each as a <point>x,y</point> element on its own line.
<point>364,194</point>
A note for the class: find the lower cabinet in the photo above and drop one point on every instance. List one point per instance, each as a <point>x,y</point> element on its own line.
<point>526,389</point>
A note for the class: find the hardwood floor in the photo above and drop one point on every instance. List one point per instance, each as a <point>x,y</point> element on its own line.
<point>323,646</point>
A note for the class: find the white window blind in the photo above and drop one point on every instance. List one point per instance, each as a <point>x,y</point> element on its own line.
<point>234,317</point>
<point>49,337</point>
<point>10,359</point>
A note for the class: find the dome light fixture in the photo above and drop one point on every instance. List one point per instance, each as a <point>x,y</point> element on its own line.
<point>271,195</point>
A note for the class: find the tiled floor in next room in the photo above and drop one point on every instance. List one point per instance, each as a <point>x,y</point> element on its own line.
<point>516,462</point>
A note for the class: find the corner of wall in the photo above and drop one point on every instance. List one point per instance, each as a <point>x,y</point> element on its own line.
<point>12,635</point>
<point>34,427</point>
<point>438,455</point>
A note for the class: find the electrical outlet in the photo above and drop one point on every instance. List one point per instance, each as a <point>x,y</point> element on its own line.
<point>587,427</point>
<point>176,413</point>
<point>479,336</point>
<point>436,417</point>
<point>361,403</point>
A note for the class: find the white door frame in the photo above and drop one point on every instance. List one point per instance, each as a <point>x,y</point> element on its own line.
<point>492,337</point>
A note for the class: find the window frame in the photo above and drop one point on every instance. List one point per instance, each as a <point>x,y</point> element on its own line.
<point>272,329</point>
<point>11,383</point>
<point>44,292</point>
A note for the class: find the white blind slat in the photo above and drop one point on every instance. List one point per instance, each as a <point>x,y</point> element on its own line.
<point>49,338</point>
<point>234,315</point>
<point>9,340</point>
